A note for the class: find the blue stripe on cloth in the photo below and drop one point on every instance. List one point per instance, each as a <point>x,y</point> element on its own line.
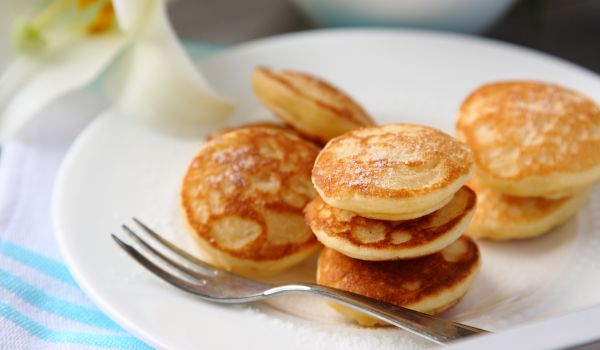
<point>47,334</point>
<point>37,261</point>
<point>54,305</point>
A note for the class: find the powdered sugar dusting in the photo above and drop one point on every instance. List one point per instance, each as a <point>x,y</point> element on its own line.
<point>392,159</point>
<point>520,129</point>
<point>326,329</point>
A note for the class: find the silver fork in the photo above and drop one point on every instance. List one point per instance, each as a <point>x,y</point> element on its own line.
<point>212,284</point>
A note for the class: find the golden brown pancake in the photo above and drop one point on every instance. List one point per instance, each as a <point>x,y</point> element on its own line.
<point>532,139</point>
<point>429,284</point>
<point>500,216</point>
<point>312,106</point>
<point>377,240</point>
<point>392,172</point>
<point>243,196</point>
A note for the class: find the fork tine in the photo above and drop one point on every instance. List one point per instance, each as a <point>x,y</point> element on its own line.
<point>165,258</point>
<point>176,250</point>
<point>225,277</point>
<point>160,272</point>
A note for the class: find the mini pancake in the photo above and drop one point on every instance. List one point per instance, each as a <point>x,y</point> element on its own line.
<point>310,105</point>
<point>392,172</point>
<point>430,284</point>
<point>243,196</point>
<point>532,139</point>
<point>499,216</point>
<point>376,240</point>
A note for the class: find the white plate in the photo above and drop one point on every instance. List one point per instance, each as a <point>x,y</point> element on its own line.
<point>117,169</point>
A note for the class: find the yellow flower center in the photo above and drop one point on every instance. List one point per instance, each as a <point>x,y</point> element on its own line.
<point>88,17</point>
<point>105,15</point>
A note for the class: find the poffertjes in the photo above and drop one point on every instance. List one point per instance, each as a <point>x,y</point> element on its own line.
<point>243,196</point>
<point>429,284</point>
<point>392,172</point>
<point>532,139</point>
<point>315,108</point>
<point>377,240</point>
<point>500,216</point>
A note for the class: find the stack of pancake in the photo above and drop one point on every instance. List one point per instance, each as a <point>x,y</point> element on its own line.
<point>537,154</point>
<point>391,212</point>
<point>392,207</point>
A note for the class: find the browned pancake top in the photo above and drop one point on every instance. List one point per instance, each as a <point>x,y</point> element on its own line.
<point>245,190</point>
<point>391,161</point>
<point>519,129</point>
<point>310,105</point>
<point>400,282</point>
<point>382,234</point>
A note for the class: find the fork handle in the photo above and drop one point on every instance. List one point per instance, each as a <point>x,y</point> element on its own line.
<point>435,329</point>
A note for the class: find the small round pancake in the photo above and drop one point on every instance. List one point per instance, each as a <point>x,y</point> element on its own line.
<point>392,172</point>
<point>532,139</point>
<point>377,240</point>
<point>313,107</point>
<point>499,216</point>
<point>243,196</point>
<point>429,284</point>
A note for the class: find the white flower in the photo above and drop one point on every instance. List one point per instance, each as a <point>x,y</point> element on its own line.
<point>70,43</point>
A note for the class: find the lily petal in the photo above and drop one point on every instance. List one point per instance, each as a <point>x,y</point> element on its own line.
<point>9,11</point>
<point>30,83</point>
<point>155,80</point>
<point>131,13</point>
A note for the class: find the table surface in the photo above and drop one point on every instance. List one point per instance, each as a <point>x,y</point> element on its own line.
<point>565,28</point>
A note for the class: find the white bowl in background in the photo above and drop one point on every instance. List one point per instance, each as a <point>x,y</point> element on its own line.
<point>467,16</point>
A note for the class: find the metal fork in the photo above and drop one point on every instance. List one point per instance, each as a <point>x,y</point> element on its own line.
<point>212,284</point>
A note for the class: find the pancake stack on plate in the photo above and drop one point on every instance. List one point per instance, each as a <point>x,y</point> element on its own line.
<point>391,210</point>
<point>537,155</point>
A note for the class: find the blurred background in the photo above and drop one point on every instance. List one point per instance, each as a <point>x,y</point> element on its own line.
<point>569,29</point>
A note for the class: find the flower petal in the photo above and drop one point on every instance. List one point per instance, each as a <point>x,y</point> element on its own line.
<point>30,83</point>
<point>130,13</point>
<point>155,80</point>
<point>9,12</point>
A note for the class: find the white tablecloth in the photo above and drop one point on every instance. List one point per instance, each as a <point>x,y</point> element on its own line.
<point>41,306</point>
